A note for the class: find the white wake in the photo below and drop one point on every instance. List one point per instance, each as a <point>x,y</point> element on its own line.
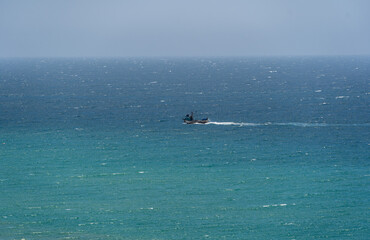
<point>296,124</point>
<point>235,124</point>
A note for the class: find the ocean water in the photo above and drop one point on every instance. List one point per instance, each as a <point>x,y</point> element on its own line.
<point>96,148</point>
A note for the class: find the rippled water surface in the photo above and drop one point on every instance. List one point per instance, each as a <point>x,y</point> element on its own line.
<point>96,148</point>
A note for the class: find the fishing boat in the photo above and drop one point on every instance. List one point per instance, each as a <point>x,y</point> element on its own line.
<point>189,119</point>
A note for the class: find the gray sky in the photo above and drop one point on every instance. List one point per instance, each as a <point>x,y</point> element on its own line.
<point>83,28</point>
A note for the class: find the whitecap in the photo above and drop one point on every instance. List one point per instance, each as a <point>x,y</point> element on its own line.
<point>34,207</point>
<point>341,97</point>
<point>114,174</point>
<point>148,208</point>
<point>275,205</point>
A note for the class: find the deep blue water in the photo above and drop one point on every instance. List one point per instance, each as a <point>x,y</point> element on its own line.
<point>96,148</point>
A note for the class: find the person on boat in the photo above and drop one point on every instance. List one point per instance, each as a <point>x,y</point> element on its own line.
<point>189,117</point>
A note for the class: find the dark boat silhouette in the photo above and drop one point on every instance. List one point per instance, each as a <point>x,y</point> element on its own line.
<point>189,119</point>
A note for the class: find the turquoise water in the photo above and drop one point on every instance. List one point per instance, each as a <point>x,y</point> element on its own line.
<point>96,148</point>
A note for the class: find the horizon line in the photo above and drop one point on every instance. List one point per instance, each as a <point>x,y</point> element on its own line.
<point>187,56</point>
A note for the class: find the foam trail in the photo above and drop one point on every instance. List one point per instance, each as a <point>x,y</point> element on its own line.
<point>298,124</point>
<point>295,124</point>
<point>235,124</point>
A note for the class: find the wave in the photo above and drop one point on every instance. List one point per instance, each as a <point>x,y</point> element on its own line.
<point>295,124</point>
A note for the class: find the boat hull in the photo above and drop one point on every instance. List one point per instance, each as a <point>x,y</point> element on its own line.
<point>196,121</point>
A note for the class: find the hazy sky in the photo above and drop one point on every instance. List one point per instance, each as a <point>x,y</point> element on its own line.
<point>82,28</point>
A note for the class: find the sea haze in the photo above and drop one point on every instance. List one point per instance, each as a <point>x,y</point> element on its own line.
<point>96,148</point>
